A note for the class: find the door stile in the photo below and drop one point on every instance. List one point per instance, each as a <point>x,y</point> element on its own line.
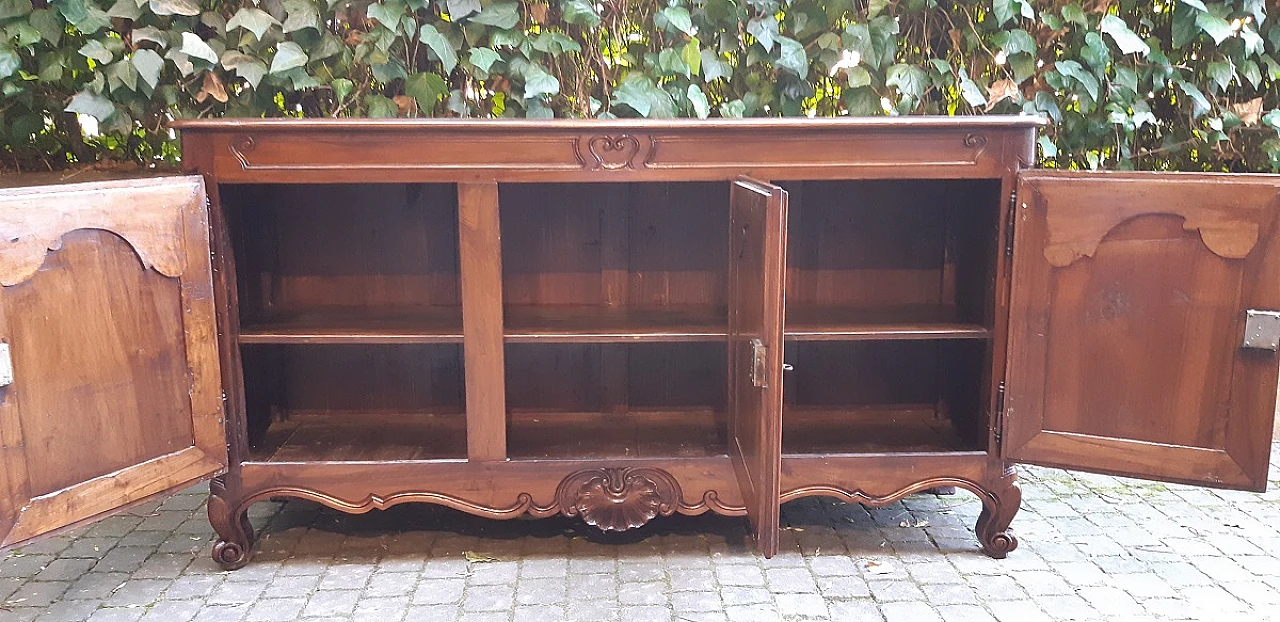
<point>757,274</point>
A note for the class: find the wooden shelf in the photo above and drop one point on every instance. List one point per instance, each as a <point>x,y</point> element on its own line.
<point>353,326</point>
<point>915,322</point>
<point>583,324</point>
<point>364,436</point>
<point>536,435</point>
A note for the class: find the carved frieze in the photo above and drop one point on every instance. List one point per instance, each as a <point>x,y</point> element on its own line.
<point>617,499</point>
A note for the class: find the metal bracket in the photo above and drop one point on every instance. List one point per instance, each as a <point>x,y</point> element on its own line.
<point>758,371</point>
<point>1261,330</point>
<point>6,366</point>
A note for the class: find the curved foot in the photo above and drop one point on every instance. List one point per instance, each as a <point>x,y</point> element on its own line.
<point>998,509</point>
<point>235,535</point>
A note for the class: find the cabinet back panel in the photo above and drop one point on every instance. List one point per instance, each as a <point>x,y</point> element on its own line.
<point>890,243</point>
<point>643,245</point>
<point>861,373</point>
<point>97,336</point>
<point>305,247</point>
<point>615,377</point>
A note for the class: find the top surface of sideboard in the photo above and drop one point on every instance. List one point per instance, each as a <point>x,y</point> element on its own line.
<point>337,150</point>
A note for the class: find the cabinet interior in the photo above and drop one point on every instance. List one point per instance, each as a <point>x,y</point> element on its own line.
<point>615,311</point>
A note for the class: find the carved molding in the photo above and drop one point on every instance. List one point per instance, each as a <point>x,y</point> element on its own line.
<point>1075,233</point>
<point>149,219</point>
<point>1001,499</point>
<point>614,152</point>
<point>617,499</point>
<point>241,146</point>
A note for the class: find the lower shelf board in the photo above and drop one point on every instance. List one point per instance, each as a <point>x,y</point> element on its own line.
<point>552,435</point>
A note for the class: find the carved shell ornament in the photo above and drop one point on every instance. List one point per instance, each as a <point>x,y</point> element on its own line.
<point>617,499</point>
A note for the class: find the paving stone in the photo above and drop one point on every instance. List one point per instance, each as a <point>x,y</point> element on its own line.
<point>909,611</point>
<point>173,611</point>
<point>331,603</point>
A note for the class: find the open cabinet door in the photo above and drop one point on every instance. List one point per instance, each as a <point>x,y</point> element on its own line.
<point>111,392</point>
<point>757,270</point>
<point>1142,328</point>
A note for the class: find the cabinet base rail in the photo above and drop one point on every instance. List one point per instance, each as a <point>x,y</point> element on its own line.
<point>612,495</point>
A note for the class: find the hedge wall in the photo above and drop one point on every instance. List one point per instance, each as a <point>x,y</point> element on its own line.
<point>1155,84</point>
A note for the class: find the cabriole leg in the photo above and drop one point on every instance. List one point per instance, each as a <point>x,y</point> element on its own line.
<point>235,534</point>
<point>999,505</point>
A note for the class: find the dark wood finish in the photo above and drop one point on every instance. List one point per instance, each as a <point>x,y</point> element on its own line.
<point>757,269</point>
<point>106,303</point>
<point>1129,296</point>
<point>541,318</point>
<point>482,294</point>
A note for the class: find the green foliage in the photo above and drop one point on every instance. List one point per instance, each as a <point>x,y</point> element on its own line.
<point>1157,84</point>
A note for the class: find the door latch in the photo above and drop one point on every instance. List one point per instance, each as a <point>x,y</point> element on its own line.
<point>6,366</point>
<point>758,369</point>
<point>1261,329</point>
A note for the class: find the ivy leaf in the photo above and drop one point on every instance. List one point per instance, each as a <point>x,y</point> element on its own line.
<point>15,8</point>
<point>1003,10</point>
<point>555,43</point>
<point>92,104</point>
<point>1047,148</point>
<point>96,51</point>
<point>1200,105</point>
<point>440,45</point>
<point>858,76</point>
<point>1220,74</point>
<point>1250,71</point>
<point>972,93</point>
<point>538,82</point>
<point>254,20</point>
<point>152,34</point>
<point>426,89</point>
<point>712,66</point>
<point>580,13</point>
<point>910,80</point>
<point>483,58</point>
<point>638,92</point>
<point>48,22</point>
<point>342,87</point>
<point>677,18</point>
<point>195,47</point>
<point>1214,26</point>
<point>701,106</point>
<point>1127,78</point>
<point>792,57</point>
<point>174,7</point>
<point>382,107</point>
<point>504,15</point>
<point>692,56</point>
<point>1074,14</point>
<point>1015,42</point>
<point>301,14</point>
<point>459,9</point>
<point>149,64</point>
<point>1197,4</point>
<point>1272,118</point>
<point>245,66</point>
<point>1128,41</point>
<point>10,62</point>
<point>124,9</point>
<point>1077,72</point>
<point>288,56</point>
<point>764,29</point>
<point>876,7</point>
<point>387,14</point>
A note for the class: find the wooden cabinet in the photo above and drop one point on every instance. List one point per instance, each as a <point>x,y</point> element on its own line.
<point>626,320</point>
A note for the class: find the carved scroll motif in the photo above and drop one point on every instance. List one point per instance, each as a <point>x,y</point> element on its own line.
<point>617,499</point>
<point>240,147</point>
<point>612,153</point>
<point>149,218</point>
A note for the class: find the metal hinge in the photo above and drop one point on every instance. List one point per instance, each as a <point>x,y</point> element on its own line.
<point>758,355</point>
<point>998,424</point>
<point>1008,228</point>
<point>1261,329</point>
<point>6,366</point>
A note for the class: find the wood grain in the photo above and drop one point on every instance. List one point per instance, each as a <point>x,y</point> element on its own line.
<point>482,293</point>
<point>117,391</point>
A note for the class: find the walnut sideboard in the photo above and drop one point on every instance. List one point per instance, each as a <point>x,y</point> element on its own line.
<point>625,320</point>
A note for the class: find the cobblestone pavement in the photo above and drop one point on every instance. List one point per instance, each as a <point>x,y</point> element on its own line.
<point>1092,548</point>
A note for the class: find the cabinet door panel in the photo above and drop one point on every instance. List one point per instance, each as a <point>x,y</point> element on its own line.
<point>757,265</point>
<point>1127,322</point>
<point>106,306</point>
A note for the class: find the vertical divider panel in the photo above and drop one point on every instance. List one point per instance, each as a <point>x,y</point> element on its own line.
<point>480,261</point>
